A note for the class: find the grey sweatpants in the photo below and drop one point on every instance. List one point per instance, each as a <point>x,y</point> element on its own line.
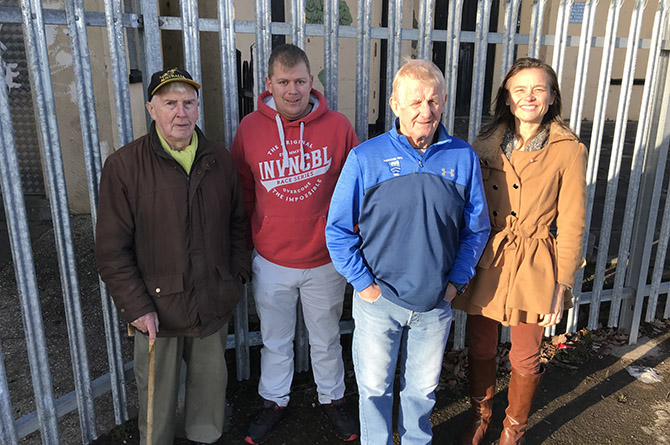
<point>321,291</point>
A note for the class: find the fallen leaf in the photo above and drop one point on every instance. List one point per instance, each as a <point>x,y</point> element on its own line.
<point>558,339</point>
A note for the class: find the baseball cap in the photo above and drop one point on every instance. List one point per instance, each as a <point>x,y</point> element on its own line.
<point>160,78</point>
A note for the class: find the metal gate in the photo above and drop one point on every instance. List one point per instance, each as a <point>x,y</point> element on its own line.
<point>642,226</point>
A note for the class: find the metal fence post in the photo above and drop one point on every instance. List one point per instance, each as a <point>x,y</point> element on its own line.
<point>454,17</point>
<point>263,46</point>
<point>298,23</point>
<point>7,429</point>
<point>33,25</point>
<point>150,35</point>
<point>89,129</point>
<point>613,177</point>
<point>479,68</point>
<point>663,142</point>
<point>363,26</point>
<point>645,197</point>
<point>331,17</point>
<point>393,54</point>
<point>535,33</point>
<point>595,146</point>
<point>578,95</point>
<point>511,18</point>
<point>231,112</point>
<point>24,267</point>
<point>426,12</point>
<point>241,321</point>
<point>191,45</point>
<point>561,38</point>
<point>117,54</point>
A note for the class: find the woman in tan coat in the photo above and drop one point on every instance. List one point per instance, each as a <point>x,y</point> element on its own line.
<point>533,167</point>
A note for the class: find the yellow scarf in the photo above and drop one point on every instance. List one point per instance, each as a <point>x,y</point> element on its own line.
<point>184,157</point>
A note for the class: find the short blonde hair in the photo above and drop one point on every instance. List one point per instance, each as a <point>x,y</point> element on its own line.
<point>418,69</point>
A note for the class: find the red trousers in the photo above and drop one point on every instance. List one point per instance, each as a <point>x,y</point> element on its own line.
<point>526,343</point>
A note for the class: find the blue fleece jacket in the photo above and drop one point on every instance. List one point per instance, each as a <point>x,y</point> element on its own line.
<point>409,223</point>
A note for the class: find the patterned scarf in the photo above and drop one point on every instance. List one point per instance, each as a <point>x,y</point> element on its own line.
<point>537,142</point>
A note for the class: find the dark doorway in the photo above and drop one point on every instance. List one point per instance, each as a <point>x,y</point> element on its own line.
<point>277,15</point>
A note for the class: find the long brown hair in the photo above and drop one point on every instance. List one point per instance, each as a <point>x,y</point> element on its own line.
<point>502,114</point>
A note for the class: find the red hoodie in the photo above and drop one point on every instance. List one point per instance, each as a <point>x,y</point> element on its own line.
<point>287,200</point>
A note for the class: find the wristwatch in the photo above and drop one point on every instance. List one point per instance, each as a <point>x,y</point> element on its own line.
<point>460,287</point>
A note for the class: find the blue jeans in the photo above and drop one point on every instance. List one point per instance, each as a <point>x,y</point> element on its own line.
<point>383,331</point>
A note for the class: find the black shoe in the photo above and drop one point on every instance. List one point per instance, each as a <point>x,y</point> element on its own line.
<point>345,425</point>
<point>266,419</point>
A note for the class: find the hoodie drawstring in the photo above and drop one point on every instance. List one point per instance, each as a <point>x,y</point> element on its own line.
<point>302,151</point>
<point>282,139</point>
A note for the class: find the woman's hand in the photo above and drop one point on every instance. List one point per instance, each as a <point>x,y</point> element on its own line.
<point>554,317</point>
<point>371,293</point>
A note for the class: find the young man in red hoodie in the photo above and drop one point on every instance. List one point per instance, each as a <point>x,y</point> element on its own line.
<point>289,153</point>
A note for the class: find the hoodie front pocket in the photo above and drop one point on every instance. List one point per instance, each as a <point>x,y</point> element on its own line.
<point>292,239</point>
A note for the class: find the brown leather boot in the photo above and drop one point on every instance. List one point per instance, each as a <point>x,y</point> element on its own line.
<point>522,389</point>
<point>482,376</point>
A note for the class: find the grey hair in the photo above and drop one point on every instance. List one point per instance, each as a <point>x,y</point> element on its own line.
<point>419,69</point>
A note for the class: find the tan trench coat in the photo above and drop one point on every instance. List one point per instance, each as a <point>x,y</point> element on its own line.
<point>523,261</point>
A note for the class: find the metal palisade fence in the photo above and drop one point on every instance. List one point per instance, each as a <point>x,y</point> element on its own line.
<point>639,219</point>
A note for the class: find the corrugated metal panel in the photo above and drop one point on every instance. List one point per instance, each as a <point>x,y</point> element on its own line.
<point>15,64</point>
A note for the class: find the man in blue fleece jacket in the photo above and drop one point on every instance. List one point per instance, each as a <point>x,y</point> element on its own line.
<point>407,224</point>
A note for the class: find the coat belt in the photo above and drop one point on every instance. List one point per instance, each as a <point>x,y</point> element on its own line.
<point>509,238</point>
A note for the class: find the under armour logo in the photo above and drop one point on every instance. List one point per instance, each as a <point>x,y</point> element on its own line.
<point>451,172</point>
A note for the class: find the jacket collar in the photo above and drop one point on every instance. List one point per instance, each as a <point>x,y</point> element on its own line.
<point>489,149</point>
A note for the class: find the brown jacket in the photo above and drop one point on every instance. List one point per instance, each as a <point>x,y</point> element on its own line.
<point>518,271</point>
<point>169,242</point>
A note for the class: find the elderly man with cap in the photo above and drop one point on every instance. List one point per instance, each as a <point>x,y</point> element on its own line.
<point>171,247</point>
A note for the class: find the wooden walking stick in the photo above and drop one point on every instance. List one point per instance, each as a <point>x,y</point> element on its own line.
<point>150,391</point>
